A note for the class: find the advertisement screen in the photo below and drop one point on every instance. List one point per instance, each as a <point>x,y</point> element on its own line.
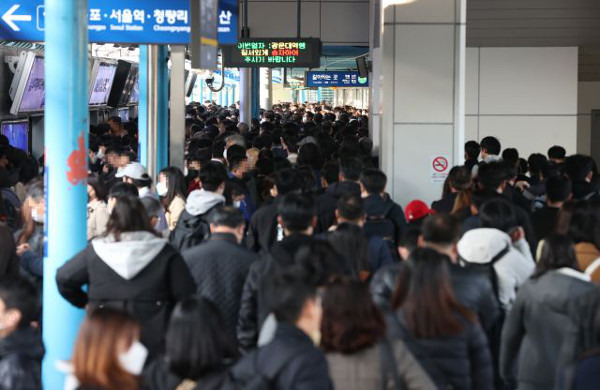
<point>17,134</point>
<point>33,95</point>
<point>104,80</point>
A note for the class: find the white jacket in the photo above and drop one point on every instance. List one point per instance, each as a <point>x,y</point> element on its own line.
<point>480,246</point>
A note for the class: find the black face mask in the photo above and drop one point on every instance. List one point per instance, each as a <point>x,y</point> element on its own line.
<point>192,174</point>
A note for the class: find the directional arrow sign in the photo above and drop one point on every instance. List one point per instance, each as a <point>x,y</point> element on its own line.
<point>118,21</point>
<point>10,18</point>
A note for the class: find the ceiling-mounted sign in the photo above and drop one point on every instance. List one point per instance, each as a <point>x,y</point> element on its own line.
<point>123,21</point>
<point>273,53</point>
<point>334,79</point>
<point>228,22</point>
<point>203,40</point>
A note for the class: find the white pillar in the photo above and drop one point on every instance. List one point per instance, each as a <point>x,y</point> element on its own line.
<point>423,102</point>
<point>177,108</point>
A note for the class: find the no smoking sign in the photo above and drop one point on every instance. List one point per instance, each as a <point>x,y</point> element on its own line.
<point>438,168</point>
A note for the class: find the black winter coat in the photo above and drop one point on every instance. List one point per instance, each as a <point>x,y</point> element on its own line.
<point>219,268</point>
<point>262,231</point>
<point>304,366</point>
<point>535,328</point>
<point>254,307</point>
<point>21,355</point>
<point>149,295</point>
<point>376,205</point>
<point>462,361</point>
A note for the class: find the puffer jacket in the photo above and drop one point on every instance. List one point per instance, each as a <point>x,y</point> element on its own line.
<point>21,355</point>
<point>534,330</point>
<point>460,362</point>
<point>141,274</point>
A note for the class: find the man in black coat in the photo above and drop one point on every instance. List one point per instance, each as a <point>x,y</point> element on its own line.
<point>21,348</point>
<point>220,265</point>
<point>291,360</point>
<point>558,191</point>
<point>264,229</point>
<point>297,216</point>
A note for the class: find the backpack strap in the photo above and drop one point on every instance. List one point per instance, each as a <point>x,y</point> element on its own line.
<point>500,254</point>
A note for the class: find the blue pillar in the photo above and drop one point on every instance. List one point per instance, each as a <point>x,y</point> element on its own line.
<point>233,93</point>
<point>220,101</point>
<point>162,149</point>
<point>66,143</point>
<point>255,96</point>
<point>201,91</point>
<point>143,107</point>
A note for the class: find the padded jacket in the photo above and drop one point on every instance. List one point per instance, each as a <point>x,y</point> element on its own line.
<point>535,328</point>
<point>141,274</point>
<point>21,355</point>
<point>460,362</point>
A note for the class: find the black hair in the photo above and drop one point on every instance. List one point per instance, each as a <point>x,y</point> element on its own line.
<point>410,238</point>
<point>18,293</point>
<point>558,189</point>
<point>350,168</point>
<point>310,155</point>
<point>212,175</point>
<point>442,229</point>
<point>557,152</point>
<point>286,181</point>
<point>35,189</point>
<point>492,175</point>
<point>175,185</point>
<point>578,167</point>
<point>122,189</point>
<point>128,215</point>
<point>297,212</point>
<point>373,180</point>
<point>115,118</point>
<point>330,172</point>
<point>351,207</point>
<point>228,216</point>
<point>491,145</point>
<point>558,251</point>
<point>472,149</point>
<point>499,214</point>
<point>96,182</point>
<point>235,151</point>
<point>289,290</point>
<point>511,156</point>
<point>536,163</point>
<point>196,340</point>
<point>350,241</point>
<point>152,206</point>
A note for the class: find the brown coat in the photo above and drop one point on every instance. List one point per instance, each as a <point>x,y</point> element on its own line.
<point>362,370</point>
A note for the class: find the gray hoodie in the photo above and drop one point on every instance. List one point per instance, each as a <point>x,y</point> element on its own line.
<point>200,201</point>
<point>131,255</point>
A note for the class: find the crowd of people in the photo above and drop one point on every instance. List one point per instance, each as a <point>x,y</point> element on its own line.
<point>277,260</point>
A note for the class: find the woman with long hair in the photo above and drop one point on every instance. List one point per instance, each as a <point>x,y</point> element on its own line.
<point>353,338</point>
<point>129,267</point>
<point>97,214</point>
<point>534,331</point>
<point>198,349</point>
<point>172,189</point>
<point>108,354</point>
<point>443,335</point>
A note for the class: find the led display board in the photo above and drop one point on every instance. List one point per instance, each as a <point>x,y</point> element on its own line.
<point>273,53</point>
<point>334,79</point>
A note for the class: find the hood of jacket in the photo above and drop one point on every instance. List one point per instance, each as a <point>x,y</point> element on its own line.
<point>27,342</point>
<point>337,190</point>
<point>131,255</point>
<point>481,245</point>
<point>200,201</point>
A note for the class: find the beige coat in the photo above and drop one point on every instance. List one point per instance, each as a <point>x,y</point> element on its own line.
<point>362,370</point>
<point>175,209</point>
<point>97,218</point>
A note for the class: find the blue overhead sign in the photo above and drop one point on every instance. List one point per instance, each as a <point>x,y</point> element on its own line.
<point>334,79</point>
<point>122,21</point>
<point>228,22</point>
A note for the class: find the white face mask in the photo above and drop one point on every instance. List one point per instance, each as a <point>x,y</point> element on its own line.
<point>36,217</point>
<point>133,360</point>
<point>94,159</point>
<point>225,154</point>
<point>237,204</point>
<point>100,154</point>
<point>161,188</point>
<point>185,171</point>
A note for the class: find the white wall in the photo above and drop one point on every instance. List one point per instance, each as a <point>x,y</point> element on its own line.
<point>526,97</point>
<point>589,99</point>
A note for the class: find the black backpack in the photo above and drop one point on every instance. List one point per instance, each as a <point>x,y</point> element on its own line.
<point>191,230</point>
<point>488,268</point>
<point>382,226</point>
<point>247,374</point>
